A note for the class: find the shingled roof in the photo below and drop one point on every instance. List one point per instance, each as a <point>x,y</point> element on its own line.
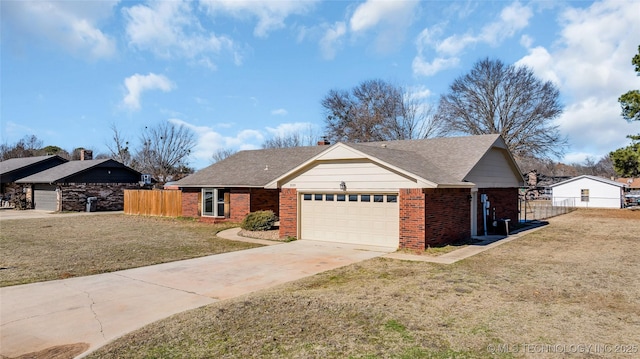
<point>442,160</point>
<point>252,168</point>
<point>445,160</point>
<point>16,168</point>
<point>65,170</point>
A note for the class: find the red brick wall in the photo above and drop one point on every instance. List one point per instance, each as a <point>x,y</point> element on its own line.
<point>412,218</point>
<point>432,217</point>
<point>265,200</point>
<point>448,216</point>
<point>240,202</point>
<point>191,202</point>
<point>505,202</point>
<point>288,212</point>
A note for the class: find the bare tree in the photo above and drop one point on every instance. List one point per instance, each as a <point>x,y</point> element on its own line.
<point>221,154</point>
<point>164,151</point>
<point>28,146</point>
<point>508,100</point>
<point>119,148</point>
<point>375,110</point>
<point>295,139</point>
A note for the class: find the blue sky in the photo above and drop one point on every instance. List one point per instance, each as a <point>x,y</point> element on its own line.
<point>239,72</point>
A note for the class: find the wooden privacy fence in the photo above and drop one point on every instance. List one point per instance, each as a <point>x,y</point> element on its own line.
<point>166,203</point>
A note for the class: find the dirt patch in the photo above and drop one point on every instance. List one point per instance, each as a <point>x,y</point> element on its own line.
<point>574,282</point>
<point>68,351</point>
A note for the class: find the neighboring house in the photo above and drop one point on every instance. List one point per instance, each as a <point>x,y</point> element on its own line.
<point>589,191</point>
<point>66,187</point>
<point>632,192</point>
<point>409,194</point>
<point>14,169</point>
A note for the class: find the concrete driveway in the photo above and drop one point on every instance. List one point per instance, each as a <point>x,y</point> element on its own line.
<point>10,213</point>
<point>97,309</point>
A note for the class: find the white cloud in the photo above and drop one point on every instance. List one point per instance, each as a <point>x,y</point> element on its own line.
<point>332,39</point>
<point>286,129</point>
<point>72,25</point>
<point>137,84</point>
<point>208,141</point>
<point>271,15</point>
<point>373,12</point>
<point>418,93</point>
<point>512,19</point>
<point>390,18</point>
<point>590,63</point>
<point>422,67</point>
<point>171,29</point>
<point>279,112</point>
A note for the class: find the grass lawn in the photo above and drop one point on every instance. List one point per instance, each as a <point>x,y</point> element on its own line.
<point>35,250</point>
<point>567,290</point>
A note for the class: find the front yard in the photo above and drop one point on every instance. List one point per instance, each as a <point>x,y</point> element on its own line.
<point>568,290</point>
<point>35,250</point>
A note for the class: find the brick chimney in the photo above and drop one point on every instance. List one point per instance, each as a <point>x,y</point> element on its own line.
<point>86,155</point>
<point>324,141</point>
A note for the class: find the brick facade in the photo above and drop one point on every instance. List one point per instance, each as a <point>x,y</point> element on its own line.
<point>433,217</point>
<point>242,201</point>
<point>412,218</point>
<point>191,202</point>
<point>504,204</point>
<point>448,216</point>
<point>265,200</point>
<point>288,212</point>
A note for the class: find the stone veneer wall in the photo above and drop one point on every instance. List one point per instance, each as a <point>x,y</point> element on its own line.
<point>110,195</point>
<point>13,190</point>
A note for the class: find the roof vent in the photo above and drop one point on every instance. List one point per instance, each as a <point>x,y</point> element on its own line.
<point>266,167</point>
<point>384,145</point>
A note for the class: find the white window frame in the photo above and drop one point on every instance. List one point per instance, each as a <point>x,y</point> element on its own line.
<point>216,200</point>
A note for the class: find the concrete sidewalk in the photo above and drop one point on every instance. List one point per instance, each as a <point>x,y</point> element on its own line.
<point>479,245</point>
<point>97,309</point>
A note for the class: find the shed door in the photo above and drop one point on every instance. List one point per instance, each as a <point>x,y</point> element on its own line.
<point>371,219</point>
<point>45,197</point>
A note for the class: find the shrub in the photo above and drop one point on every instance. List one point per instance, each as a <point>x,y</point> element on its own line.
<point>259,221</point>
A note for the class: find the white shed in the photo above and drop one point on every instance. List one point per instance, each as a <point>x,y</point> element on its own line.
<point>588,192</point>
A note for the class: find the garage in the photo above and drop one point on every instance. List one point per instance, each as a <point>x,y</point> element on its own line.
<point>45,197</point>
<point>363,218</point>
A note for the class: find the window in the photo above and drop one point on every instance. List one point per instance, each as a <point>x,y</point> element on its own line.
<point>307,197</point>
<point>377,197</point>
<point>365,198</point>
<point>353,198</point>
<point>340,198</point>
<point>213,202</point>
<point>584,195</point>
<point>328,198</point>
<point>392,198</point>
<point>317,197</point>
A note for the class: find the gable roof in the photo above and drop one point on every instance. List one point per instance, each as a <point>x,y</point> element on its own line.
<point>14,164</point>
<point>65,170</point>
<point>443,161</point>
<point>251,168</point>
<point>593,178</point>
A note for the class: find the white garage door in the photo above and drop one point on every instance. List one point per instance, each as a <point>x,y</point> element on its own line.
<point>45,197</point>
<point>370,219</point>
